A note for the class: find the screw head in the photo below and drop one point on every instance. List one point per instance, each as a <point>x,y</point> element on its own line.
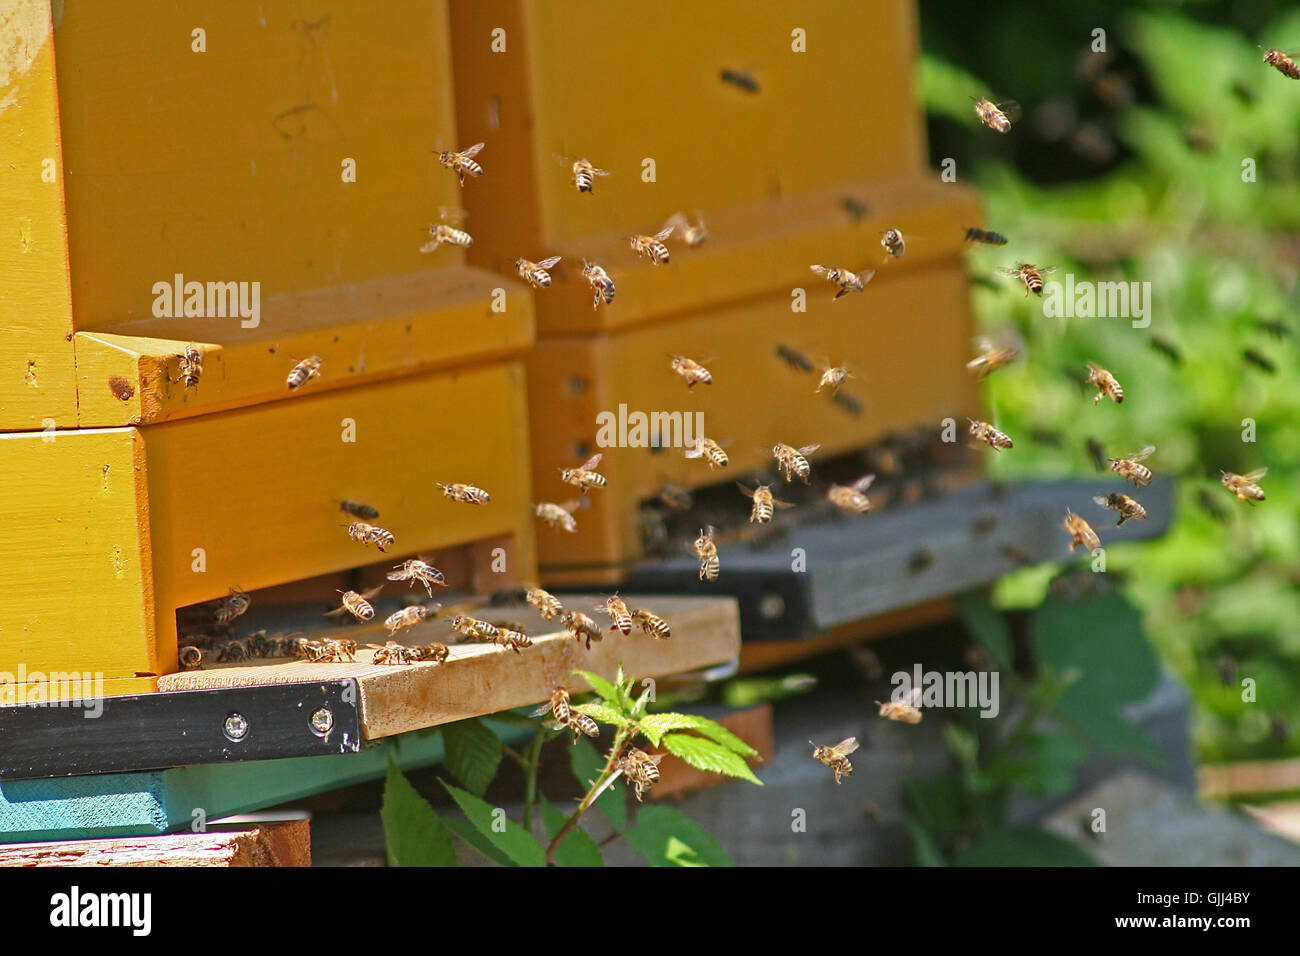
<point>322,721</point>
<point>236,727</point>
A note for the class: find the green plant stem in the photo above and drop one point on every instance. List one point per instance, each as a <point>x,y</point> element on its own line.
<point>530,765</point>
<point>606,777</point>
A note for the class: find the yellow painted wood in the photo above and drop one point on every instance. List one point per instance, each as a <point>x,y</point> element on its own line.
<point>482,678</point>
<point>227,165</point>
<point>363,332</point>
<point>36,362</point>
<point>76,582</point>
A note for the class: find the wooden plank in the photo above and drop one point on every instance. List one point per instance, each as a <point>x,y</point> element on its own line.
<point>277,844</point>
<point>379,329</point>
<point>481,679</point>
<point>1244,777</point>
<point>37,384</point>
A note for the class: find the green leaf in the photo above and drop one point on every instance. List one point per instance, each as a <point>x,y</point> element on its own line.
<point>512,718</point>
<point>507,836</point>
<point>587,765</point>
<point>1022,847</point>
<point>924,849</point>
<point>415,835</point>
<point>601,686</point>
<point>577,848</point>
<point>465,830</point>
<point>606,715</point>
<point>704,754</point>
<point>473,754</point>
<point>1101,636</point>
<point>656,725</point>
<point>987,624</point>
<point>666,837</point>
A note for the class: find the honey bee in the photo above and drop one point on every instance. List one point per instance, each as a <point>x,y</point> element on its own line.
<point>534,273</point>
<point>675,496</point>
<point>791,461</point>
<point>583,173</point>
<point>341,650</point>
<point>437,653</point>
<point>1283,63</point>
<point>395,653</point>
<point>710,451</point>
<point>462,162</point>
<point>739,79</point>
<point>474,628</point>
<point>303,372</point>
<point>837,757</point>
<point>706,549</point>
<point>691,235</point>
<point>1245,486</point>
<point>906,711</point>
<point>1126,506</point>
<point>358,510</point>
<point>995,116</point>
<point>1080,532</point>
<point>511,637</point>
<point>368,534</point>
<point>846,280</point>
<point>190,657</point>
<point>990,358</point>
<point>764,503</point>
<point>602,285</point>
<point>559,516</point>
<point>796,360</point>
<point>409,617</point>
<point>442,232</point>
<point>988,238</point>
<point>358,605</point>
<point>191,366</point>
<point>1031,276</point>
<point>833,378</point>
<point>1130,469</point>
<point>1107,385</point>
<point>311,651</point>
<point>652,624</point>
<point>585,475</point>
<point>892,240</point>
<point>652,247</point>
<point>232,606</point>
<point>691,370</point>
<point>417,570</point>
<point>616,608</point>
<point>852,498</point>
<point>547,604</point>
<point>641,768</point>
<point>563,715</point>
<point>469,494</point>
<point>989,435</point>
<point>581,627</point>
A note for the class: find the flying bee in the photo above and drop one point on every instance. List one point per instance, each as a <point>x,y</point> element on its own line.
<point>833,378</point>
<point>559,516</point>
<point>652,624</point>
<point>796,360</point>
<point>846,280</point>
<point>358,605</point>
<point>458,491</point>
<point>409,617</point>
<point>463,162</point>
<point>191,365</point>
<point>691,235</point>
<point>1107,385</point>
<point>547,604</point>
<point>641,768</point>
<point>190,657</point>
<point>1275,327</point>
<point>852,498</point>
<point>892,241</point>
<point>585,475</point>
<point>1126,506</point>
<point>601,284</point>
<point>1245,486</point>
<point>990,358</point>
<point>1031,276</point>
<point>534,273</point>
<point>675,496</point>
<point>849,403</point>
<point>511,637</point>
<point>837,757</point>
<point>989,435</point>
<point>563,715</point>
<point>791,461</point>
<point>358,510</point>
<point>416,570</point>
<point>473,628</point>
<point>692,371</point>
<point>1096,453</point>
<point>996,117</point>
<point>706,549</point>
<point>764,502</point>
<point>987,238</point>
<point>1283,63</point>
<point>739,79</point>
<point>303,372</point>
<point>1080,532</point>
<point>652,247</point>
<point>710,451</point>
<point>368,534</point>
<point>1129,468</point>
<point>444,232</point>
<point>581,627</point>
<point>235,604</point>
<point>584,173</point>
<point>906,711</point>
<point>619,617</point>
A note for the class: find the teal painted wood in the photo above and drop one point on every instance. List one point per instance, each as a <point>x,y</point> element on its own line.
<point>161,801</point>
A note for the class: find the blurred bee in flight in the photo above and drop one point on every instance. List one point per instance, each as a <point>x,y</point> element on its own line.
<point>459,491</point>
<point>652,247</point>
<point>990,358</point>
<point>534,273</point>
<point>1031,276</point>
<point>303,372</point>
<point>691,235</point>
<point>892,241</point>
<point>1107,385</point>
<point>1080,532</point>
<point>905,711</point>
<point>561,515</point>
<point>985,237</point>
<point>444,232</point>
<point>581,627</point>
<point>1245,486</point>
<point>990,435</point>
<point>1126,506</point>
<point>997,117</point>
<point>546,604</point>
<point>852,498</point>
<point>846,280</point>
<point>463,162</point>
<point>357,510</point>
<point>692,371</point>
<point>833,378</point>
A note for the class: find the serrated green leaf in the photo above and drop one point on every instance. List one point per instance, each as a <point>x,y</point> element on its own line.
<point>666,837</point>
<point>507,836</point>
<point>606,715</point>
<point>704,754</point>
<point>473,754</point>
<point>587,765</point>
<point>414,834</point>
<point>601,686</point>
<point>577,848</point>
<point>656,725</point>
<point>465,830</point>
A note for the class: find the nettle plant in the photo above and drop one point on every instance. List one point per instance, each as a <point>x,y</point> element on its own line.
<point>417,836</point>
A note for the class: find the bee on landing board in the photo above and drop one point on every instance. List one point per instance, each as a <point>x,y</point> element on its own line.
<point>368,534</point>
<point>846,280</point>
<point>619,616</point>
<point>458,491</point>
<point>852,498</point>
<point>1246,486</point>
<point>692,371</point>
<point>892,241</point>
<point>235,604</point>
<point>585,475</point>
<point>792,461</point>
<point>837,757</point>
<point>602,285</point>
<point>1031,276</point>
<point>581,627</point>
<point>463,162</point>
<point>990,358</point>
<point>1126,506</point>
<point>191,366</point>
<point>547,604</point>
<point>764,502</point>
<point>559,516</point>
<point>1080,532</point>
<point>996,117</point>
<point>985,237</point>
<point>583,173</point>
<point>358,605</point>
<point>303,372</point>
<point>416,570</point>
<point>535,273</point>
<point>710,451</point>
<point>905,711</point>
<point>641,768</point>
<point>652,624</point>
<point>1129,468</point>
<point>990,435</point>
<point>1283,63</point>
<point>652,247</point>
<point>706,549</point>
<point>691,235</point>
<point>1107,385</point>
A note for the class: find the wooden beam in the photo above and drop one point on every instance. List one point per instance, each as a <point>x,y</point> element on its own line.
<point>273,844</point>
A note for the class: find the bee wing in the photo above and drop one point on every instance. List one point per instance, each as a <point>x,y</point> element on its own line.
<point>336,612</point>
<point>372,592</point>
<point>1255,475</point>
<point>846,746</point>
<point>540,711</point>
<point>1101,500</point>
<point>696,452</point>
<point>562,159</point>
<point>472,151</point>
<point>592,462</point>
<point>866,275</point>
<point>573,504</point>
<point>820,270</point>
<point>983,344</point>
<point>809,449</point>
<point>675,220</point>
<point>863,483</point>
<point>1003,271</point>
<point>778,503</point>
<point>1143,454</point>
<point>1011,110</point>
<point>1094,367</point>
<point>664,233</point>
<point>431,246</point>
<point>1047,270</point>
<point>550,263</point>
<point>749,492</point>
<point>601,172</point>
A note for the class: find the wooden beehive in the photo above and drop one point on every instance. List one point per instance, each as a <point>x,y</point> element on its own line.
<point>804,159</point>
